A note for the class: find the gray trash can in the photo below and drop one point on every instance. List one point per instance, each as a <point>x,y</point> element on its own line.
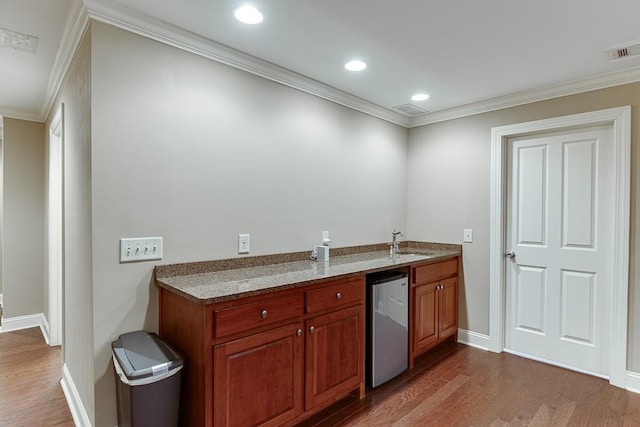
<point>148,372</point>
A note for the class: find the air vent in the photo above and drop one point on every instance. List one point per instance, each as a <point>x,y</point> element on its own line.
<point>624,52</point>
<point>18,41</point>
<point>410,110</point>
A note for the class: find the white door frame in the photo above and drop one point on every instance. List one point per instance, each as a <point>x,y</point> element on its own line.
<point>55,238</point>
<point>620,121</point>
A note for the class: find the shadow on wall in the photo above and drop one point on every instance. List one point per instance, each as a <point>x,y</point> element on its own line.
<point>105,386</point>
<point>463,314</point>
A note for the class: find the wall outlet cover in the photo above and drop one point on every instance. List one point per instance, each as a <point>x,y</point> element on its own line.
<point>244,243</point>
<point>468,235</point>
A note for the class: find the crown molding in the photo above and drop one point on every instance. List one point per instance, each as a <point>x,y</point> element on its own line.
<point>118,15</point>
<point>543,93</point>
<point>130,20</point>
<point>21,115</point>
<point>72,36</point>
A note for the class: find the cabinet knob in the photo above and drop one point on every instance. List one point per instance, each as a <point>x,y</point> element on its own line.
<point>264,314</point>
<point>338,295</point>
<point>299,332</point>
<point>312,329</point>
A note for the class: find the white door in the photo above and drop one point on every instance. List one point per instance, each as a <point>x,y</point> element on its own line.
<point>560,232</point>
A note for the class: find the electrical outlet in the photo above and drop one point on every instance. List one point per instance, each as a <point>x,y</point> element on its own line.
<point>140,249</point>
<point>468,235</point>
<point>244,243</point>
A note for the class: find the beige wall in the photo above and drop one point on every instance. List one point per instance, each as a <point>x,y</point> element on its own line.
<point>197,152</point>
<point>1,202</point>
<point>75,93</point>
<point>449,190</point>
<point>23,217</point>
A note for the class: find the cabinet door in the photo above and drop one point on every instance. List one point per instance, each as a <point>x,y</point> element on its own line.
<point>425,306</point>
<point>448,307</point>
<point>258,379</point>
<point>334,355</point>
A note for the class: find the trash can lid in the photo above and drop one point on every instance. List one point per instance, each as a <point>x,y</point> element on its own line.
<point>143,354</point>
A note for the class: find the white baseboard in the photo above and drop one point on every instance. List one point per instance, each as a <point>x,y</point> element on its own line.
<point>25,322</point>
<point>78,412</point>
<point>473,339</point>
<point>44,327</point>
<point>633,382</point>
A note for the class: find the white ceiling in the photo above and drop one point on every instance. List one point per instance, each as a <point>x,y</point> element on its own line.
<point>24,77</point>
<point>460,52</point>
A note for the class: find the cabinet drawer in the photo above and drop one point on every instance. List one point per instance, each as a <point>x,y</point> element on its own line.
<point>335,294</point>
<point>245,317</point>
<point>434,272</point>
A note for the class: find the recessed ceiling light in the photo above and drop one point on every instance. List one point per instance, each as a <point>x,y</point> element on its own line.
<point>355,65</point>
<point>248,14</point>
<point>420,97</point>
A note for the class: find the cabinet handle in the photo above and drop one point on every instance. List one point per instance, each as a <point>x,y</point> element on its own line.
<point>312,329</point>
<point>299,332</point>
<point>338,295</point>
<point>264,314</point>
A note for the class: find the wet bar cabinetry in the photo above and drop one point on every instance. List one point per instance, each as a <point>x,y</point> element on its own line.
<point>271,359</point>
<point>434,305</point>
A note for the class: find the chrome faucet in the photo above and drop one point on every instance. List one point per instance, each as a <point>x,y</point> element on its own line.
<point>394,243</point>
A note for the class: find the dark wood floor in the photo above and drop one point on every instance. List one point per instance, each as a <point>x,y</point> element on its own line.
<point>454,385</point>
<point>457,385</point>
<point>30,372</point>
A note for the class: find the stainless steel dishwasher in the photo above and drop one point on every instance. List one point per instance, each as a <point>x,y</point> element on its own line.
<point>387,326</point>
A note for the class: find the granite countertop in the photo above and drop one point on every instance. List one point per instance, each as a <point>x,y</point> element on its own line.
<point>229,279</point>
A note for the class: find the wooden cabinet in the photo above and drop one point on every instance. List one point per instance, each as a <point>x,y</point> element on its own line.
<point>334,341</point>
<point>425,306</point>
<point>448,308</point>
<point>258,379</point>
<point>434,307</point>
<point>334,355</point>
<point>268,360</point>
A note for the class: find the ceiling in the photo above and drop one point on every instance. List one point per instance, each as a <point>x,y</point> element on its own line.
<point>460,52</point>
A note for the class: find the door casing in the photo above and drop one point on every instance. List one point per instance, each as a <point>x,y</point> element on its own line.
<point>620,121</point>
<point>55,231</point>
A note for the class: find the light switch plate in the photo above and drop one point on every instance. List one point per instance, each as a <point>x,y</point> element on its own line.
<point>134,249</point>
<point>244,243</point>
<point>468,235</point>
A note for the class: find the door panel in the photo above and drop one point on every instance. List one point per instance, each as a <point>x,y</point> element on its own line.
<point>578,306</point>
<point>579,194</point>
<point>532,195</point>
<point>530,285</point>
<point>559,225</point>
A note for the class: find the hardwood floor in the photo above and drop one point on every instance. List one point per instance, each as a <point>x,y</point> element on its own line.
<point>454,385</point>
<point>457,385</point>
<point>30,372</point>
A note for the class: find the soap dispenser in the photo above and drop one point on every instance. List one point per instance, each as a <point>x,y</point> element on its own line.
<point>322,251</point>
